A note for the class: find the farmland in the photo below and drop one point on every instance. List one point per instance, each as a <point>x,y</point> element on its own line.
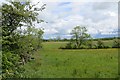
<point>51,62</point>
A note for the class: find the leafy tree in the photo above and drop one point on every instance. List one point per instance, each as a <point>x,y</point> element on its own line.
<point>16,15</point>
<point>80,35</point>
<point>13,15</point>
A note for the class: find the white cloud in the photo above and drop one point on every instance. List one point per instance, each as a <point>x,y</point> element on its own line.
<point>63,18</point>
<point>50,31</point>
<point>98,17</point>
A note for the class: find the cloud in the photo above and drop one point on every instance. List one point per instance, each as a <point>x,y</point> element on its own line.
<point>100,18</point>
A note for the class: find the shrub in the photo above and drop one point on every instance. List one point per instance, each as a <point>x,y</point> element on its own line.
<point>83,47</point>
<point>100,44</point>
<point>106,46</point>
<point>10,65</point>
<point>68,46</point>
<point>90,45</point>
<point>116,44</point>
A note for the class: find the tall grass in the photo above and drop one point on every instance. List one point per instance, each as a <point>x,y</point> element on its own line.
<point>51,62</point>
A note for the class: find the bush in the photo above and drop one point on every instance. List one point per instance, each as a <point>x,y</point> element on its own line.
<point>74,47</point>
<point>83,47</point>
<point>106,46</point>
<point>68,46</point>
<point>100,44</point>
<point>10,63</point>
<point>95,46</point>
<point>116,44</point>
<point>90,45</point>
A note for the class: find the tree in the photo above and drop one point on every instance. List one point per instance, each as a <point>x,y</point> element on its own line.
<point>80,35</point>
<point>14,16</point>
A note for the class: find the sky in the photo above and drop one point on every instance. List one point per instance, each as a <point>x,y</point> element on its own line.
<point>99,17</point>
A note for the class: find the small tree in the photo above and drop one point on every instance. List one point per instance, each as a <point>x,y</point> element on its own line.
<point>80,35</point>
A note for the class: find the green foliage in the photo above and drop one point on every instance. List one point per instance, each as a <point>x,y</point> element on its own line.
<point>100,44</point>
<point>116,43</point>
<point>29,42</point>
<point>17,45</point>
<point>80,35</point>
<point>69,46</point>
<point>89,43</point>
<point>10,64</point>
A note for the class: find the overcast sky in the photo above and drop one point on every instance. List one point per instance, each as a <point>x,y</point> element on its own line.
<point>100,18</point>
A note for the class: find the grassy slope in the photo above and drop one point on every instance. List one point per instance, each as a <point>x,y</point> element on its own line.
<point>51,62</point>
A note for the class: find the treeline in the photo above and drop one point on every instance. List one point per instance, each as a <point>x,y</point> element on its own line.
<point>55,40</point>
<point>65,39</point>
<point>111,38</point>
<point>19,36</point>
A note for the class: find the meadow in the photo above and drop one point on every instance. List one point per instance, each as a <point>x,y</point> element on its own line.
<point>51,62</point>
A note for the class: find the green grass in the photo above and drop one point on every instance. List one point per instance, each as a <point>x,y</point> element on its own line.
<point>51,62</point>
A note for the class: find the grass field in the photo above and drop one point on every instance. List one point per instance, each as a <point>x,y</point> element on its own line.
<point>51,62</point>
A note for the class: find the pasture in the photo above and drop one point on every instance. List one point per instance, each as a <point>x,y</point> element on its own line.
<point>51,62</point>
